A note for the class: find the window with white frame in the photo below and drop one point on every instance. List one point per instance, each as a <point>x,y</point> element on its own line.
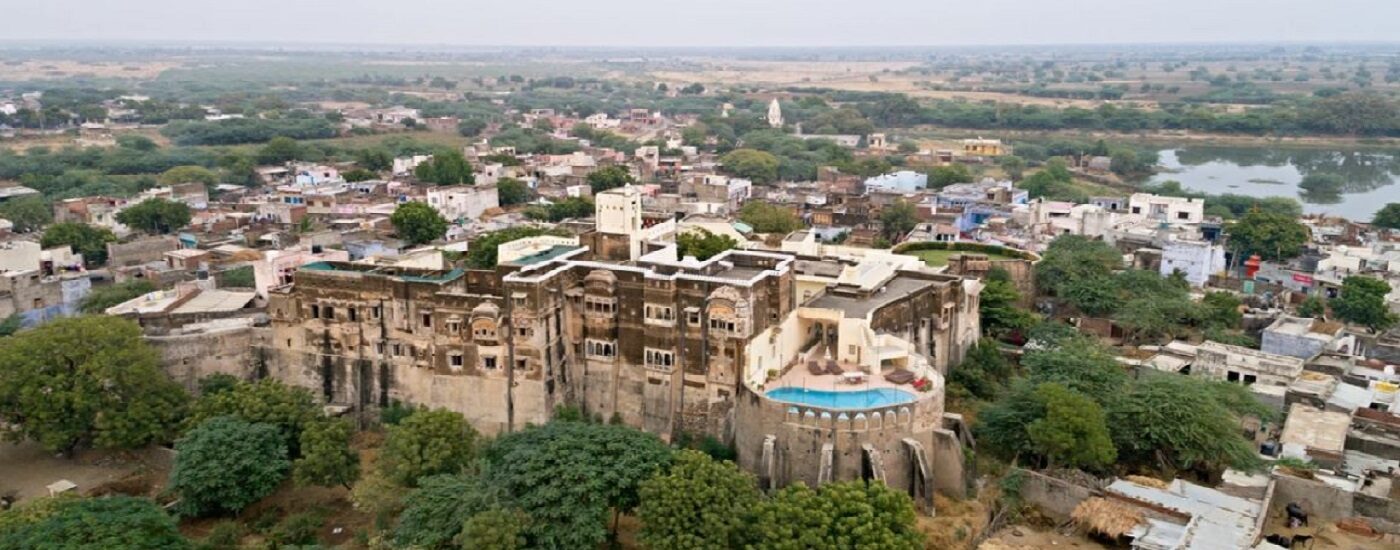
<point>661,359</point>
<point>599,306</point>
<point>660,315</point>
<point>604,349</point>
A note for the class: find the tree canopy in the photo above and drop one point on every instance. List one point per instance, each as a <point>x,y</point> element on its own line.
<point>156,216</point>
<point>702,244</point>
<point>758,166</point>
<point>101,298</point>
<point>124,522</point>
<point>86,380</point>
<point>28,214</point>
<point>1271,235</point>
<point>768,218</point>
<point>848,514</point>
<point>481,253</point>
<point>593,467</point>
<point>1387,217</point>
<point>512,191</point>
<point>418,223</point>
<point>188,174</point>
<point>428,442</point>
<point>326,456</point>
<point>226,463</point>
<point>898,219</point>
<point>435,512</point>
<point>445,168</point>
<point>701,503</point>
<point>609,177</point>
<point>1362,301</point>
<point>90,241</point>
<point>266,401</point>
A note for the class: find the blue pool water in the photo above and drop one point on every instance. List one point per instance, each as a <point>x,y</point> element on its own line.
<point>858,399</point>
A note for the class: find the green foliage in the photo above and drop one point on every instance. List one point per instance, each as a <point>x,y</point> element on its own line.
<point>238,277</point>
<point>1172,422</point>
<point>1080,364</point>
<point>418,223</point>
<point>1312,306</point>
<point>188,174</point>
<point>435,512</point>
<point>1221,309</point>
<point>156,216</point>
<point>562,209</point>
<point>1053,182</point>
<point>11,325</point>
<point>495,530</point>
<point>769,218</point>
<point>224,535</point>
<point>511,191</point>
<point>104,297</point>
<point>225,463</point>
<point>758,166</point>
<point>1387,217</point>
<point>1271,235</point>
<point>1073,260</point>
<point>279,150</point>
<point>848,514</point>
<point>445,168</point>
<point>702,244</point>
<point>32,511</point>
<point>897,220</point>
<point>593,467</point>
<point>1362,301</point>
<point>1014,166</point>
<point>266,401</point>
<point>246,130</point>
<point>428,442</point>
<point>28,213</point>
<point>106,522</point>
<point>297,529</point>
<point>86,380</point>
<point>700,503</point>
<point>374,159</point>
<point>943,176</point>
<point>609,177</point>
<point>983,371</point>
<point>355,175</point>
<point>218,382</point>
<point>1073,431</point>
<point>326,456</point>
<point>998,308</point>
<point>90,241</point>
<point>395,413</point>
<point>481,253</point>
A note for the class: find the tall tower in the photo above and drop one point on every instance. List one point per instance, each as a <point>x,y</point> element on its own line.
<point>775,114</point>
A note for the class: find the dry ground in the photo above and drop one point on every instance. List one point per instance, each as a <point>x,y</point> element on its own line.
<point>45,69</point>
<point>26,469</point>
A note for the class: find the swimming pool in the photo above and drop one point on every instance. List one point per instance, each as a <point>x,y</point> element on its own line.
<point>857,399</point>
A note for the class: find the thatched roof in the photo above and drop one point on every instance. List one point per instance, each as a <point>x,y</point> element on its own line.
<point>1107,517</point>
<point>1148,482</point>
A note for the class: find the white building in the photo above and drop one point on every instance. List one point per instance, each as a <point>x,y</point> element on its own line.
<point>775,114</point>
<point>463,202</point>
<point>1197,260</point>
<point>404,166</point>
<point>1175,210</point>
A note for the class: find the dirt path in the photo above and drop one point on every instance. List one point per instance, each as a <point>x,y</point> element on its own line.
<point>26,469</point>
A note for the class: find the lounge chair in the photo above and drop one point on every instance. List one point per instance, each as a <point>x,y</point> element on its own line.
<point>833,368</point>
<point>815,369</point>
<point>899,376</point>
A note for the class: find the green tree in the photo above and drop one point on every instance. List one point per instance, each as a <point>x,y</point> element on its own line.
<point>1124,162</point>
<point>1014,166</point>
<point>758,166</point>
<point>1312,306</point>
<point>267,401</point>
<point>435,512</point>
<point>279,150</point>
<point>471,127</point>
<point>356,175</point>
<point>374,159</point>
<point>1271,235</point>
<point>326,456</point>
<point>495,530</point>
<point>769,218</point>
<point>418,223</point>
<point>609,177</point>
<point>1362,301</point>
<point>156,216</point>
<point>1073,259</point>
<point>1073,431</point>
<point>225,463</point>
<point>86,380</point>
<point>28,214</point>
<point>897,220</point>
<point>700,503</point>
<point>1080,364</point>
<point>982,372</point>
<point>1221,309</point>
<point>122,522</point>
<point>11,325</point>
<point>593,467</point>
<point>943,176</point>
<point>848,514</point>
<point>481,253</point>
<point>428,442</point>
<point>1322,188</point>
<point>512,191</point>
<point>188,174</point>
<point>136,142</point>
<point>1387,217</point>
<point>702,244</point>
<point>102,298</point>
<point>445,168</point>
<point>84,239</point>
<point>997,306</point>
<point>1169,422</point>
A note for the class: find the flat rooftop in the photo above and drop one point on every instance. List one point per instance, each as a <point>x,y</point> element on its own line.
<point>545,255</point>
<point>896,289</point>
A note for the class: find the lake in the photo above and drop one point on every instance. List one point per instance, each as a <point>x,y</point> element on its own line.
<point>1367,177</point>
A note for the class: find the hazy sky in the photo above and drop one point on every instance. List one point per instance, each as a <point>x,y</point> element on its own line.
<point>704,22</point>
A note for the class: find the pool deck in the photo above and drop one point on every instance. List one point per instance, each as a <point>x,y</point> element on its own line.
<point>797,376</point>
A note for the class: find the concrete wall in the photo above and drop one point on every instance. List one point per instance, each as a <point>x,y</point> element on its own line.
<point>140,251</point>
<point>1056,498</point>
